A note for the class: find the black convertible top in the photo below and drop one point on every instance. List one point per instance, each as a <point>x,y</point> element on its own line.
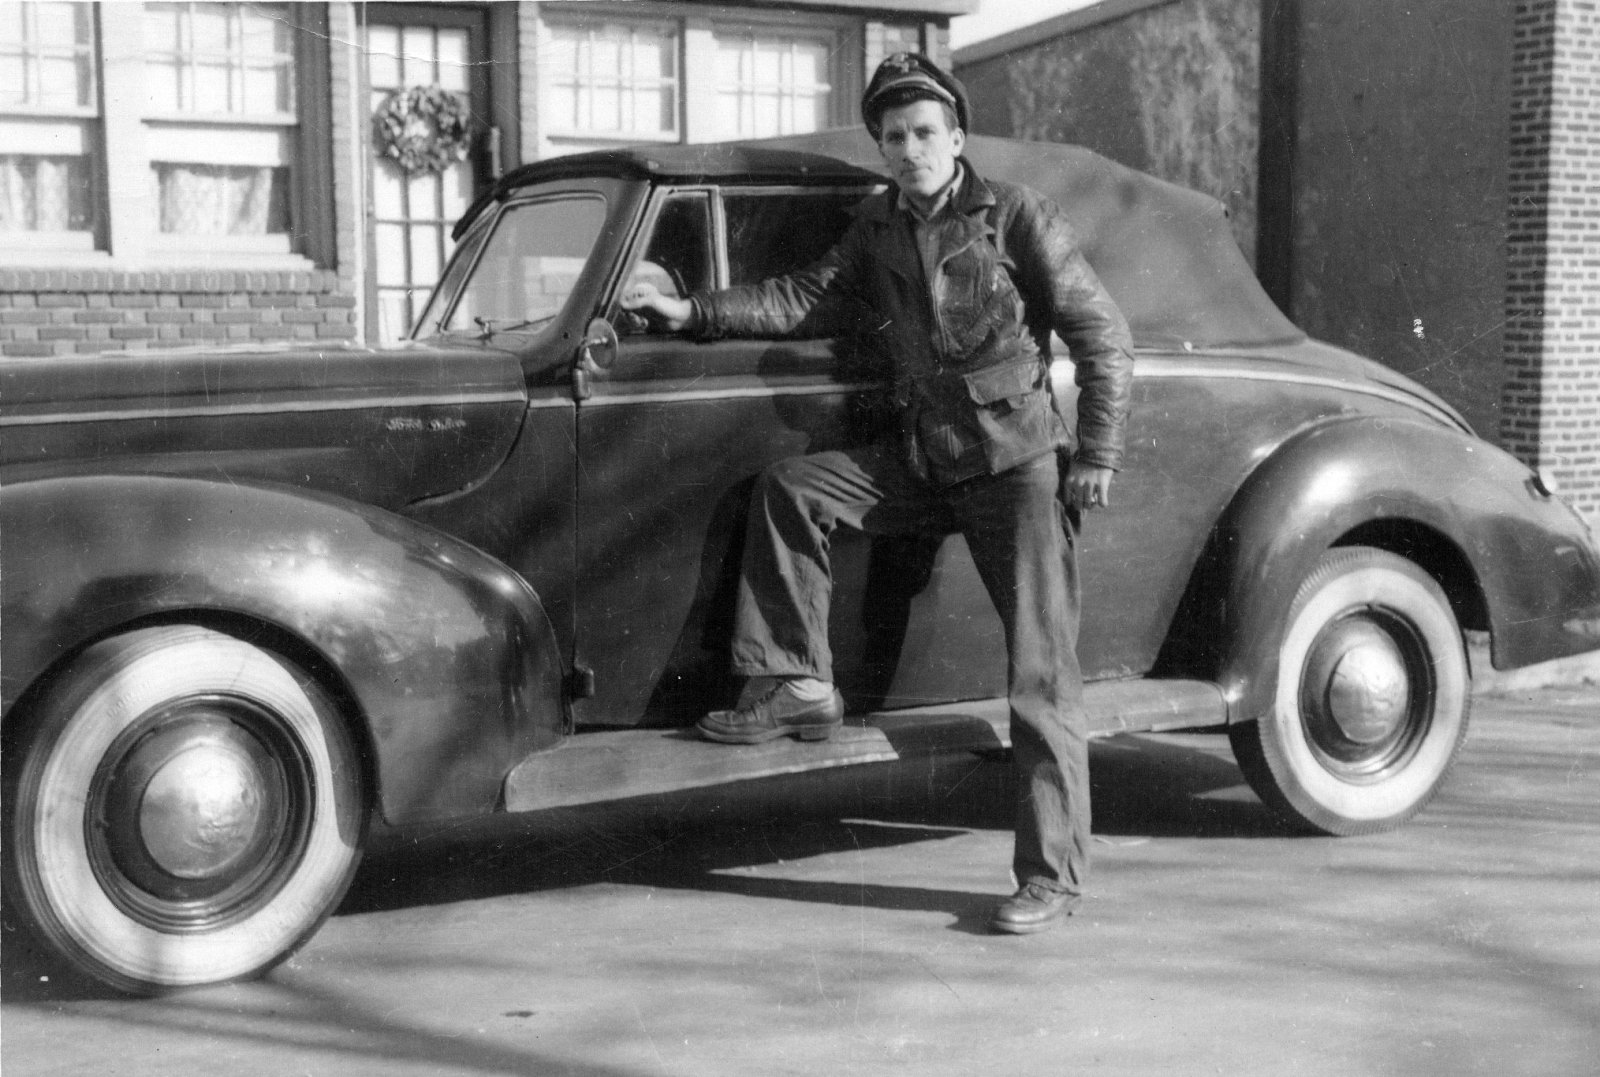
<point>1166,253</point>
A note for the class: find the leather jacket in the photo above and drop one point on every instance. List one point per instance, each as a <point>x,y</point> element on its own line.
<point>968,342</point>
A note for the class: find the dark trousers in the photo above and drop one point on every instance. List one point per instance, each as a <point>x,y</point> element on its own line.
<point>1023,545</point>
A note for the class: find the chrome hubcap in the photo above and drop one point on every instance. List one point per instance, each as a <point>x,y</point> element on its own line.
<point>1365,693</point>
<point>198,813</point>
<point>202,808</point>
<point>1367,689</point>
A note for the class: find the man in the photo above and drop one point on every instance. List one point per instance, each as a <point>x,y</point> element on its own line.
<point>964,280</point>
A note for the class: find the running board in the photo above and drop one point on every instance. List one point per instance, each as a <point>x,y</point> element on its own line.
<point>588,768</point>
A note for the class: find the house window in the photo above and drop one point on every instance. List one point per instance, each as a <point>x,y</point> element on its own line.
<point>773,83</point>
<point>220,122</point>
<point>608,76</point>
<point>612,80</point>
<point>133,134</point>
<point>49,125</point>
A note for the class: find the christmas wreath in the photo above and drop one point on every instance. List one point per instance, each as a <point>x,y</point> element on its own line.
<point>423,128</point>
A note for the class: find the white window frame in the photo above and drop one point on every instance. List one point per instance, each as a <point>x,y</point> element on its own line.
<point>697,29</point>
<point>626,84</point>
<point>32,127</point>
<point>131,140</point>
<point>757,35</point>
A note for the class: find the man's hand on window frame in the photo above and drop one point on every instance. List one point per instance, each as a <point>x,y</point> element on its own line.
<point>669,312</point>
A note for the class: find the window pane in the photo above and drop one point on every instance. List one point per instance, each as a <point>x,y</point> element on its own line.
<point>766,67</point>
<point>13,86</point>
<point>612,79</point>
<point>678,258</point>
<point>45,194</point>
<point>58,82</point>
<point>606,57</point>
<point>453,59</point>
<point>387,183</point>
<point>531,263</point>
<point>425,253</point>
<point>391,246</point>
<point>11,23</point>
<point>162,85</point>
<point>772,85</point>
<point>562,54</point>
<point>770,235</point>
<point>394,313</point>
<point>608,110</point>
<point>418,56</point>
<point>457,182</point>
<point>383,56</point>
<point>266,89</point>
<point>422,191</point>
<point>263,36</point>
<point>221,200</point>
<point>161,29</point>
<point>208,26</point>
<point>43,52</point>
<point>56,22</point>
<point>210,90</point>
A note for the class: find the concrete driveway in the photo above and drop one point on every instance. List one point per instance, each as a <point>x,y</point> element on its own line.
<point>832,924</point>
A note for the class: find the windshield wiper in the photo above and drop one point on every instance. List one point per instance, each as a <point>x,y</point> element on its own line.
<point>491,326</point>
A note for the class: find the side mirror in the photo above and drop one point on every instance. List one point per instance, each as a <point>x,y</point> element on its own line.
<point>599,348</point>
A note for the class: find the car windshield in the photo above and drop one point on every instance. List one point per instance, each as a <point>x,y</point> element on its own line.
<point>527,268</point>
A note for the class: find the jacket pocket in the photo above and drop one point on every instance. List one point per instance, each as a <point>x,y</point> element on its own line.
<point>1010,383</point>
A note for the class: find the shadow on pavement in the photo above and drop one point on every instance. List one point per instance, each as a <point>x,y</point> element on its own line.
<point>1145,786</point>
<point>1174,786</point>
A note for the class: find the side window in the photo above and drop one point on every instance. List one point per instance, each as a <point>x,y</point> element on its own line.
<point>771,233</point>
<point>678,257</point>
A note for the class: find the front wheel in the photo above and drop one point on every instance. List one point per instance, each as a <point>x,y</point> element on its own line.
<point>187,809</point>
<point>1372,700</point>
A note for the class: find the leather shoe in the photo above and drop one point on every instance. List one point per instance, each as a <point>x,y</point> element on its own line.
<point>777,713</point>
<point>1033,908</point>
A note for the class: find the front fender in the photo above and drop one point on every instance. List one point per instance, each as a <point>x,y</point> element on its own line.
<point>1532,564</point>
<point>447,654</point>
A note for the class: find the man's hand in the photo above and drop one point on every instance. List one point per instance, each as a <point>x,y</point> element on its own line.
<point>668,311</point>
<point>1087,487</point>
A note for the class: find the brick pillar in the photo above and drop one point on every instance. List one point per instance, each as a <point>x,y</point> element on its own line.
<point>883,39</point>
<point>1552,343</point>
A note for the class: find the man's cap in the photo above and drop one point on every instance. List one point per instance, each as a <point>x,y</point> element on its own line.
<point>907,76</point>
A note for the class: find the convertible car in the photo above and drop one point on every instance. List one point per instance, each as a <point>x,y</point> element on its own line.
<point>255,599</point>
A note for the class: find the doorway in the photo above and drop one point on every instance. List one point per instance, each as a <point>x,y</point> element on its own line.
<point>416,54</point>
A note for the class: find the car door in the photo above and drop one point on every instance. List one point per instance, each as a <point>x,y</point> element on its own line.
<point>671,437</point>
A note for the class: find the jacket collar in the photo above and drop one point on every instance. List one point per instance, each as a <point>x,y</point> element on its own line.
<point>973,195</point>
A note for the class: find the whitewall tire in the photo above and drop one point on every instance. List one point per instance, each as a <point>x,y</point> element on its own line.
<point>183,807</point>
<point>1372,699</point>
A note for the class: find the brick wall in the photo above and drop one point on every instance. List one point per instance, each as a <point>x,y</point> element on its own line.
<point>64,312</point>
<point>1551,413</point>
<point>884,39</point>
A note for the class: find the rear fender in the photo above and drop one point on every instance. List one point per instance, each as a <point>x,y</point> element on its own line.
<point>446,653</point>
<point>1512,560</point>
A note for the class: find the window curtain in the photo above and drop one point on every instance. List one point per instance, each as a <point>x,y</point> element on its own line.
<point>220,200</point>
<point>39,194</point>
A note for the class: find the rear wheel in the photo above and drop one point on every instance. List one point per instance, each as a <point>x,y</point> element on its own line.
<point>1372,700</point>
<point>187,808</point>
